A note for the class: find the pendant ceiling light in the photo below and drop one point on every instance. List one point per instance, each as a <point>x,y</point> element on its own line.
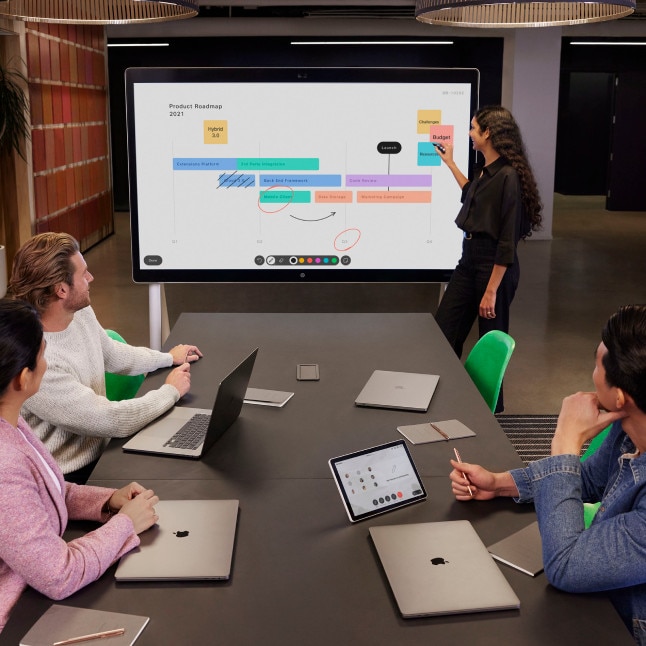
<point>519,13</point>
<point>98,12</point>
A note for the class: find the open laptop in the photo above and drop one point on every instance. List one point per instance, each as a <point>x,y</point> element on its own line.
<point>441,568</point>
<point>376,480</point>
<point>193,541</point>
<point>202,427</point>
<point>399,390</point>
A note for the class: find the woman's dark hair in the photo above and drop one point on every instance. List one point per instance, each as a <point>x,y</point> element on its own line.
<point>21,335</point>
<point>624,335</point>
<point>507,141</point>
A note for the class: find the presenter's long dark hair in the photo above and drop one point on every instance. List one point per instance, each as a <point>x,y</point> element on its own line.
<point>21,335</point>
<point>507,141</point>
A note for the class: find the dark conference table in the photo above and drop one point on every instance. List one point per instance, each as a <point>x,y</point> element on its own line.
<point>302,573</point>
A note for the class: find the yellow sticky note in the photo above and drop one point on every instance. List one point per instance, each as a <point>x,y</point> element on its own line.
<point>426,119</point>
<point>216,132</point>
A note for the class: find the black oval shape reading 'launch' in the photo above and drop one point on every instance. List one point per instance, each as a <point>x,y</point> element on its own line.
<point>389,147</point>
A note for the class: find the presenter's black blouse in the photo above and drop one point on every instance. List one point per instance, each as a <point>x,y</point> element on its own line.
<point>492,206</point>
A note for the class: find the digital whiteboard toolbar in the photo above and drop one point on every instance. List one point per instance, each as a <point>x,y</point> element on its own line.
<point>274,174</point>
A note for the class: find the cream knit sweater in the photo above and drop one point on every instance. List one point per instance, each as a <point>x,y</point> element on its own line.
<point>70,412</point>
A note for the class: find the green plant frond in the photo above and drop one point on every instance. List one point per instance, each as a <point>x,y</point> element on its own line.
<point>14,106</point>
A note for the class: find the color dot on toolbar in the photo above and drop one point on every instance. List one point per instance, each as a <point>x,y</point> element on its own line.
<point>317,261</point>
<point>326,260</point>
<point>334,261</point>
<point>309,261</point>
<point>301,260</point>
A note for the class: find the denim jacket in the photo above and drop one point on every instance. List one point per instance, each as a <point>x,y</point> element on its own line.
<point>610,555</point>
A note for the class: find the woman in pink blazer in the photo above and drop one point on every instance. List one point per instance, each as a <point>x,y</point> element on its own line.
<point>35,500</point>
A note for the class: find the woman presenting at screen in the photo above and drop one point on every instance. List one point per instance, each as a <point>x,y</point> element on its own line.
<point>500,206</point>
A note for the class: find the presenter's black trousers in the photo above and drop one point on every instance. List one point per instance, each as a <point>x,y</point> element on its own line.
<point>459,306</point>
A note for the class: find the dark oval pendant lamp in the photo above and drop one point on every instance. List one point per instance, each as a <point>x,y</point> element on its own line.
<point>519,13</point>
<point>98,12</point>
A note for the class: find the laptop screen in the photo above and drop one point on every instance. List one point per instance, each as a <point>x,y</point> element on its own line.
<point>377,480</point>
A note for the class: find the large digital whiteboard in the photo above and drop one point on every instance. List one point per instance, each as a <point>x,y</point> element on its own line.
<point>308,175</point>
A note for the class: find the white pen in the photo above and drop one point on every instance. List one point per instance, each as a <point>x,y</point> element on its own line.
<point>86,638</point>
<point>464,475</point>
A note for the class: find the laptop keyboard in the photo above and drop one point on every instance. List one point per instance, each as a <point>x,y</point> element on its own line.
<point>192,434</point>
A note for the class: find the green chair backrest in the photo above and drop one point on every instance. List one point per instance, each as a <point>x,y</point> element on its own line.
<point>118,387</point>
<point>590,508</point>
<point>595,443</point>
<point>487,362</point>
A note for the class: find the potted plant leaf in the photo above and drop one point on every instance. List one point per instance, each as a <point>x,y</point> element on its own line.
<point>14,127</point>
<point>14,130</point>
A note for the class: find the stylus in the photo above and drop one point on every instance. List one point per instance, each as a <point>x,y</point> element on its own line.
<point>86,638</point>
<point>440,431</point>
<point>464,475</point>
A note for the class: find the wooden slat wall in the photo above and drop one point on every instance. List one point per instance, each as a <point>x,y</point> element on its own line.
<point>69,115</point>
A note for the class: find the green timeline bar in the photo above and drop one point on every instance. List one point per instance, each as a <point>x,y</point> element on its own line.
<point>278,163</point>
<point>283,197</point>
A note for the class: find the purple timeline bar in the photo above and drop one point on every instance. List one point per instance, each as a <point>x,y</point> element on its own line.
<point>367,181</point>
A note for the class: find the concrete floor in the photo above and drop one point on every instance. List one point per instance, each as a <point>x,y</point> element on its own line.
<point>569,286</point>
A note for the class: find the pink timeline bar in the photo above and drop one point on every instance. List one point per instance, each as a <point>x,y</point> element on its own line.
<point>392,197</point>
<point>333,197</point>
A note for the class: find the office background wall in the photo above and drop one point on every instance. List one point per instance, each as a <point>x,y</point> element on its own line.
<point>66,69</point>
<point>600,140</point>
<point>483,53</point>
<point>245,39</point>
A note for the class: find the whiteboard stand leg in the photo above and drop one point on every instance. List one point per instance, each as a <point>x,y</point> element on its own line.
<point>443,287</point>
<point>155,315</point>
<point>165,326</point>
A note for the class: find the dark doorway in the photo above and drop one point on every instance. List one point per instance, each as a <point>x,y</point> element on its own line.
<point>584,133</point>
<point>626,170</point>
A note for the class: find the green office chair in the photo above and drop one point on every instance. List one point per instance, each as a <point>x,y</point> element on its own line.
<point>118,387</point>
<point>487,362</point>
<point>590,508</point>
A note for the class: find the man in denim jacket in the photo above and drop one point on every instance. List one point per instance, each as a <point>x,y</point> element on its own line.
<point>610,555</point>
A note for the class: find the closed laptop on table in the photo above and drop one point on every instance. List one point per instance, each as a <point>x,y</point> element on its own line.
<point>441,568</point>
<point>193,540</point>
<point>398,390</point>
<point>164,435</point>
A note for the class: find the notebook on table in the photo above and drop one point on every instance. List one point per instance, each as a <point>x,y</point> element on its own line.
<point>376,480</point>
<point>68,624</point>
<point>190,432</point>
<point>193,540</point>
<point>398,390</point>
<point>441,568</point>
<point>522,550</point>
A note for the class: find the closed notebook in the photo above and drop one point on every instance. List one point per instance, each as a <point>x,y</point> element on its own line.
<point>450,429</point>
<point>61,623</point>
<point>522,550</point>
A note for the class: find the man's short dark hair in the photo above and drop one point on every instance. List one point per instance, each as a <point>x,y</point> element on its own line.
<point>624,335</point>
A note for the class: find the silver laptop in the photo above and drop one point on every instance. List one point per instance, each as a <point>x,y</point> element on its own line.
<point>400,390</point>
<point>190,432</point>
<point>440,569</point>
<point>193,540</point>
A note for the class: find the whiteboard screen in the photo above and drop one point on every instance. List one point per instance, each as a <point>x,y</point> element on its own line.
<point>315,175</point>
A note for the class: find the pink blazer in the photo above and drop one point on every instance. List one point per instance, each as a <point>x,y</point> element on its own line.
<point>33,517</point>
